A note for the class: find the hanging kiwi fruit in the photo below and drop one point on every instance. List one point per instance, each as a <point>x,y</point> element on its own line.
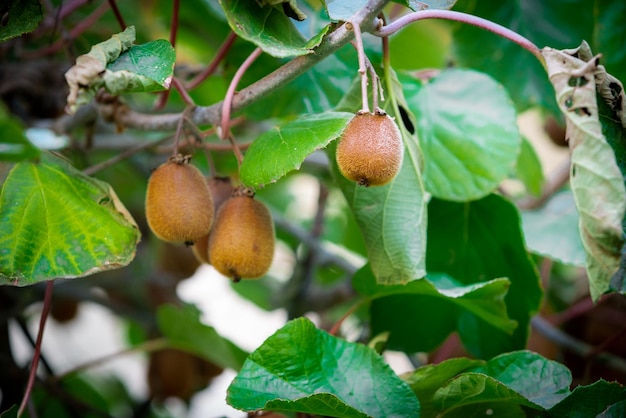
<point>179,205</point>
<point>370,150</point>
<point>241,244</point>
<point>221,189</point>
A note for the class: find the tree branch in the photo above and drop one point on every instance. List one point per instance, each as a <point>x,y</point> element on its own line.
<point>365,18</point>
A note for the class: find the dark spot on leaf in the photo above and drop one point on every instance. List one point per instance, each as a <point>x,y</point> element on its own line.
<point>573,171</point>
<point>104,200</point>
<point>188,243</point>
<point>583,111</point>
<point>569,102</point>
<point>406,120</point>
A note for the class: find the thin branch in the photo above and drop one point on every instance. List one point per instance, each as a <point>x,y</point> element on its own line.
<point>358,42</point>
<point>219,56</point>
<point>261,88</point>
<point>479,22</point>
<point>579,347</point>
<point>230,93</point>
<point>36,355</point>
<point>174,23</point>
<point>183,92</point>
<point>337,325</point>
<point>118,15</point>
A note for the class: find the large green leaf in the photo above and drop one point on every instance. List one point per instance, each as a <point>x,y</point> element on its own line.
<point>59,223</point>
<point>304,369</point>
<point>19,17</point>
<point>544,23</point>
<point>14,145</point>
<point>120,67</point>
<point>544,382</point>
<point>459,387</point>
<point>184,330</point>
<point>283,148</point>
<point>422,313</point>
<point>589,401</point>
<point>478,241</point>
<point>596,180</point>
<point>467,127</point>
<point>552,230</point>
<point>426,380</point>
<point>268,28</point>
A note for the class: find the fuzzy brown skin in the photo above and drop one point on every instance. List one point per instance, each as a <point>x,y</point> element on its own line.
<point>221,189</point>
<point>179,205</point>
<point>241,244</point>
<point>370,150</point>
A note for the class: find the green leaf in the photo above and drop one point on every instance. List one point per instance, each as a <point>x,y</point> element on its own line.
<point>283,148</point>
<point>141,68</point>
<point>14,145</point>
<point>476,390</point>
<point>19,17</point>
<point>468,133</point>
<point>10,413</point>
<point>544,23</point>
<point>120,67</point>
<point>422,313</point>
<point>304,369</point>
<point>392,217</point>
<point>184,330</point>
<point>478,241</point>
<point>552,230</point>
<point>268,28</point>
<point>596,180</point>
<point>528,168</point>
<point>589,401</point>
<point>426,380</point>
<point>59,223</point>
<point>85,77</point>
<point>543,382</point>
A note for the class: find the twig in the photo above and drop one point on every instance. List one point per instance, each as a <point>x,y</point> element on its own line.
<point>479,22</point>
<point>228,100</point>
<point>147,346</point>
<point>219,56</point>
<point>182,91</point>
<point>117,13</point>
<point>358,41</point>
<point>579,347</point>
<point>261,88</point>
<point>36,355</point>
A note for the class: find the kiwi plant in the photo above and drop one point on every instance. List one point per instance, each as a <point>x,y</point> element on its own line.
<point>179,205</point>
<point>241,244</point>
<point>370,150</point>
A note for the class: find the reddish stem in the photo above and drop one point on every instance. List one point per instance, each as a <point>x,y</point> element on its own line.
<point>174,24</point>
<point>86,24</point>
<point>464,18</point>
<point>183,92</point>
<point>118,15</point>
<point>230,93</point>
<point>219,56</point>
<point>334,330</point>
<point>37,354</point>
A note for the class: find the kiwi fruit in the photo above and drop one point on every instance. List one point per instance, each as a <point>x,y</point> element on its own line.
<point>370,150</point>
<point>241,244</point>
<point>221,189</point>
<point>179,205</point>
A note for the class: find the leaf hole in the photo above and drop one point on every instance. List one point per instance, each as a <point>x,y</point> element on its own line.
<point>406,120</point>
<point>577,81</point>
<point>104,200</point>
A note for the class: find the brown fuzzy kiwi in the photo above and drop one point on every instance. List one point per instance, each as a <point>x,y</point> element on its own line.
<point>241,244</point>
<point>179,205</point>
<point>370,150</point>
<point>221,189</point>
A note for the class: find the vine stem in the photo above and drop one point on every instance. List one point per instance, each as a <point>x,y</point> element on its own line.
<point>479,22</point>
<point>358,43</point>
<point>230,93</point>
<point>117,13</point>
<point>37,354</point>
<point>335,328</point>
